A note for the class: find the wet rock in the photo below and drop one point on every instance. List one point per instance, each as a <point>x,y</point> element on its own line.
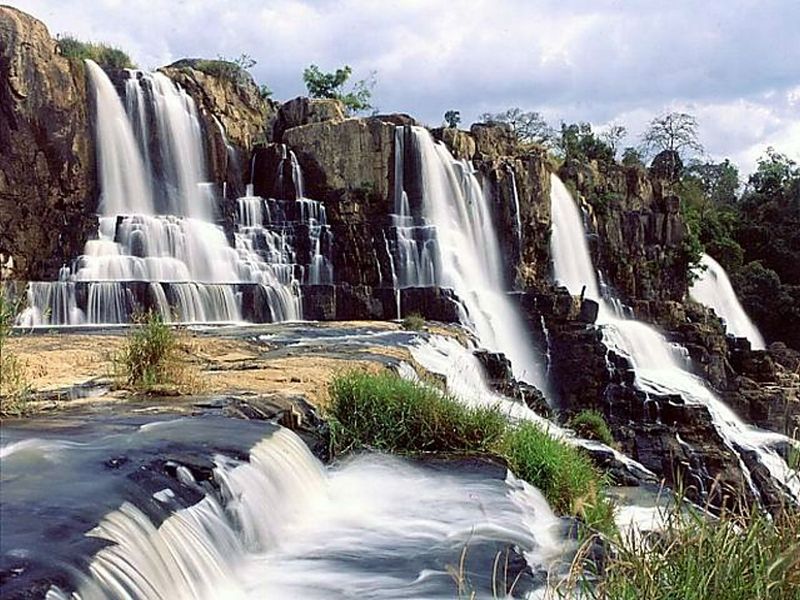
<point>460,143</point>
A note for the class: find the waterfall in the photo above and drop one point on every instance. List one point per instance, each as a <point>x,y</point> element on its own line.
<point>713,288</point>
<point>282,525</point>
<point>123,181</point>
<point>469,254</point>
<point>660,367</point>
<point>157,224</point>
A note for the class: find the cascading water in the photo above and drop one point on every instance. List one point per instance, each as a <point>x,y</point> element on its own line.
<point>660,367</point>
<point>158,245</point>
<point>713,288</point>
<point>461,250</point>
<point>281,525</point>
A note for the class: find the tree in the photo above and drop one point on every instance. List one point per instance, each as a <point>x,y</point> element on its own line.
<point>720,181</point>
<point>579,142</point>
<point>613,135</point>
<point>331,85</point>
<point>632,156</point>
<point>452,118</point>
<point>673,132</point>
<point>528,127</point>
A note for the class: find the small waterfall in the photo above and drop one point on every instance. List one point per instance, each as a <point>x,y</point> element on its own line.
<point>411,241</point>
<point>661,367</point>
<point>281,525</point>
<point>713,288</point>
<point>517,214</point>
<point>469,254</point>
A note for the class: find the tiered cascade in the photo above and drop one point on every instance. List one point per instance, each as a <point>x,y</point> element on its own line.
<point>660,367</point>
<point>159,246</point>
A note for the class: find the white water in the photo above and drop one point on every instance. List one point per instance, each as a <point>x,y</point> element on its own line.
<point>285,527</point>
<point>469,254</point>
<point>661,367</point>
<point>713,288</point>
<point>123,182</point>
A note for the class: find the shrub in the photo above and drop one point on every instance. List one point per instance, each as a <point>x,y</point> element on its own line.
<point>414,322</point>
<point>149,356</point>
<point>386,412</point>
<point>104,55</point>
<point>695,557</point>
<point>591,425</point>
<point>14,388</point>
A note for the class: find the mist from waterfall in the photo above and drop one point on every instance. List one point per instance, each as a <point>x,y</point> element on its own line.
<point>713,288</point>
<point>660,367</point>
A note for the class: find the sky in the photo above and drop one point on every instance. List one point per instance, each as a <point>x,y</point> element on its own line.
<point>734,64</point>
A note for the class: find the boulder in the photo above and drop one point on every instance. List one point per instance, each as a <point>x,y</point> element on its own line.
<point>302,111</point>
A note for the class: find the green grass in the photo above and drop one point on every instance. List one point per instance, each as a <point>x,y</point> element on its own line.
<point>591,425</point>
<point>743,557</point>
<point>104,55</point>
<point>386,412</point>
<point>414,322</point>
<point>14,387</point>
<point>149,356</point>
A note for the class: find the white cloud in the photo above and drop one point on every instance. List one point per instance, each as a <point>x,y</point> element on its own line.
<point>736,64</point>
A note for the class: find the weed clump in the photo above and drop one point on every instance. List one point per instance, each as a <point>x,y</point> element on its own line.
<point>150,357</point>
<point>591,425</point>
<point>413,322</point>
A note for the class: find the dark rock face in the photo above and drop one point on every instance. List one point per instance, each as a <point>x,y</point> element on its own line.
<point>637,229</point>
<point>48,193</point>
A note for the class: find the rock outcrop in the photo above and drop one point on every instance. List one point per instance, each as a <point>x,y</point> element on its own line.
<point>48,193</point>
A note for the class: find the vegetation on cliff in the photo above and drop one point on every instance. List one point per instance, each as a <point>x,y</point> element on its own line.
<point>385,412</point>
<point>108,57</point>
<point>332,85</point>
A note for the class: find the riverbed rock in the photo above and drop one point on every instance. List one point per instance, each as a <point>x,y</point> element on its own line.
<point>48,189</point>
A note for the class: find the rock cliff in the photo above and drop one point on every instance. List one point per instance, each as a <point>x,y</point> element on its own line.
<point>48,193</point>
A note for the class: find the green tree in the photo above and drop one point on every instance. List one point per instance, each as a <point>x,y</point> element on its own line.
<point>452,118</point>
<point>528,127</point>
<point>720,181</point>
<point>579,142</point>
<point>332,85</point>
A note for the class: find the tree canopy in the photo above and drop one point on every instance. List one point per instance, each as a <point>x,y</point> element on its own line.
<point>528,127</point>
<point>332,85</point>
<point>674,132</point>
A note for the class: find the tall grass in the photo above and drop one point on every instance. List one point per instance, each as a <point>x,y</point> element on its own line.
<point>149,356</point>
<point>695,557</point>
<point>14,387</point>
<point>385,412</point>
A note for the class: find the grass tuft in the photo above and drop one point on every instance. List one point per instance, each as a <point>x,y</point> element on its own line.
<point>108,57</point>
<point>413,322</point>
<point>150,359</point>
<point>591,425</point>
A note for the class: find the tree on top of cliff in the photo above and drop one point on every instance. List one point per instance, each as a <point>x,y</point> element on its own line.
<point>528,127</point>
<point>331,85</point>
<point>452,118</point>
<point>674,132</point>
